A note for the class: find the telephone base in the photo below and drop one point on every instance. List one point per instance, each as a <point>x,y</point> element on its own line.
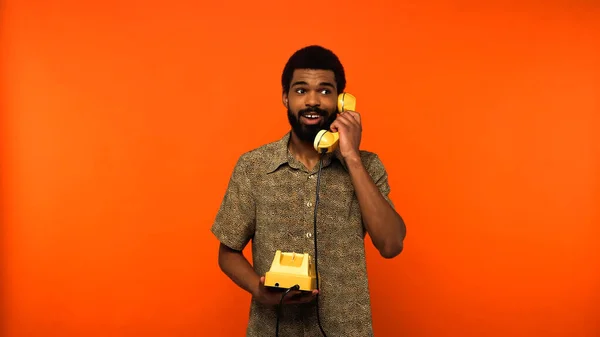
<point>285,281</point>
<point>289,269</point>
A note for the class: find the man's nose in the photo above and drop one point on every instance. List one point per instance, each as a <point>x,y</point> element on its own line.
<point>312,99</point>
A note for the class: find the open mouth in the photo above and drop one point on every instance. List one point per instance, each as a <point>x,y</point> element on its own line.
<point>311,118</point>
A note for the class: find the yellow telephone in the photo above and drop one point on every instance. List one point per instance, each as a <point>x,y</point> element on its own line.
<point>327,141</point>
<point>289,269</point>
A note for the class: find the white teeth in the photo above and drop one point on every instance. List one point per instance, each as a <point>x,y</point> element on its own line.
<point>311,116</point>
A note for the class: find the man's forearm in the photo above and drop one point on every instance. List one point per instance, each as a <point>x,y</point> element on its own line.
<point>384,225</point>
<point>235,265</point>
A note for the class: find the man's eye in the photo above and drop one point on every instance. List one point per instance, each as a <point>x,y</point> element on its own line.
<point>325,92</point>
<point>300,91</point>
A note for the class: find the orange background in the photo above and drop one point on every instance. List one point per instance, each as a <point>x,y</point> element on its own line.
<point>122,120</point>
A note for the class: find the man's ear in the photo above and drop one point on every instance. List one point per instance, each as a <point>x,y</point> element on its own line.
<point>284,100</point>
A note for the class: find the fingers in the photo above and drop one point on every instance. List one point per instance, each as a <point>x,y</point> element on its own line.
<point>294,293</point>
<point>340,123</point>
<point>297,297</point>
<point>355,115</point>
<point>353,119</point>
<point>273,296</point>
<point>347,120</point>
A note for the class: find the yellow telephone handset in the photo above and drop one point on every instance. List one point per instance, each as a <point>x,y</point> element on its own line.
<point>327,141</point>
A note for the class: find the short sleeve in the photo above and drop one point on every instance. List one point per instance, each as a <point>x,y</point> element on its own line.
<point>379,175</point>
<point>235,220</point>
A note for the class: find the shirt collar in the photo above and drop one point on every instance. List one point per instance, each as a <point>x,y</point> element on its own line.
<point>280,155</point>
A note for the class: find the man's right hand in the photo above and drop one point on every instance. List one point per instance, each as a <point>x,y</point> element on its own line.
<point>268,296</point>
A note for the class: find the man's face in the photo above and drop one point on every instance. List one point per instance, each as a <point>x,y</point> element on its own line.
<point>311,102</point>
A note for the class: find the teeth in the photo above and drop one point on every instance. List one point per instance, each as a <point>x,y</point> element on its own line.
<point>311,116</point>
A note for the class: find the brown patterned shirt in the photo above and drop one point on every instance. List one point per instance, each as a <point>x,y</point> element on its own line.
<point>270,200</point>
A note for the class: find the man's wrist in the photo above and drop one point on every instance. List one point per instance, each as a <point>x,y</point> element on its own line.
<point>353,160</point>
<point>256,286</point>
<point>253,289</point>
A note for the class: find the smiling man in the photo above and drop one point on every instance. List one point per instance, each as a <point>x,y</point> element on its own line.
<point>271,200</point>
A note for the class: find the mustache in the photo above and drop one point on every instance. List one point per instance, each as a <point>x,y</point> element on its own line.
<point>313,109</point>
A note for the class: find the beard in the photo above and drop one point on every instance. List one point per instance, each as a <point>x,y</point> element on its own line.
<point>307,133</point>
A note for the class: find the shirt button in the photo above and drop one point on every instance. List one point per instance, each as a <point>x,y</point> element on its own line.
<point>311,176</point>
<point>308,235</point>
<point>309,204</point>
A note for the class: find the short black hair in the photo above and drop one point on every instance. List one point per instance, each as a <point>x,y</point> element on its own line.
<point>316,58</point>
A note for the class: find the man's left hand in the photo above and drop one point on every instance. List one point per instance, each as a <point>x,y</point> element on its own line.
<point>349,126</point>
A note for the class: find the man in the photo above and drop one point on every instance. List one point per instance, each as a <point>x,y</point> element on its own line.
<point>271,200</point>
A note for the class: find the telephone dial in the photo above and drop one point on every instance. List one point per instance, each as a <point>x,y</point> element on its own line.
<point>327,141</point>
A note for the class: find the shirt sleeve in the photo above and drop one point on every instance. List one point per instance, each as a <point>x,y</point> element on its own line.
<point>235,220</point>
<point>379,175</point>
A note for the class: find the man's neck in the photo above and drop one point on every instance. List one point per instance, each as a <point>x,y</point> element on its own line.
<point>303,152</point>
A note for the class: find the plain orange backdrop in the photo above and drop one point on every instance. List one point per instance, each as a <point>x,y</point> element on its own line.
<point>122,120</point>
